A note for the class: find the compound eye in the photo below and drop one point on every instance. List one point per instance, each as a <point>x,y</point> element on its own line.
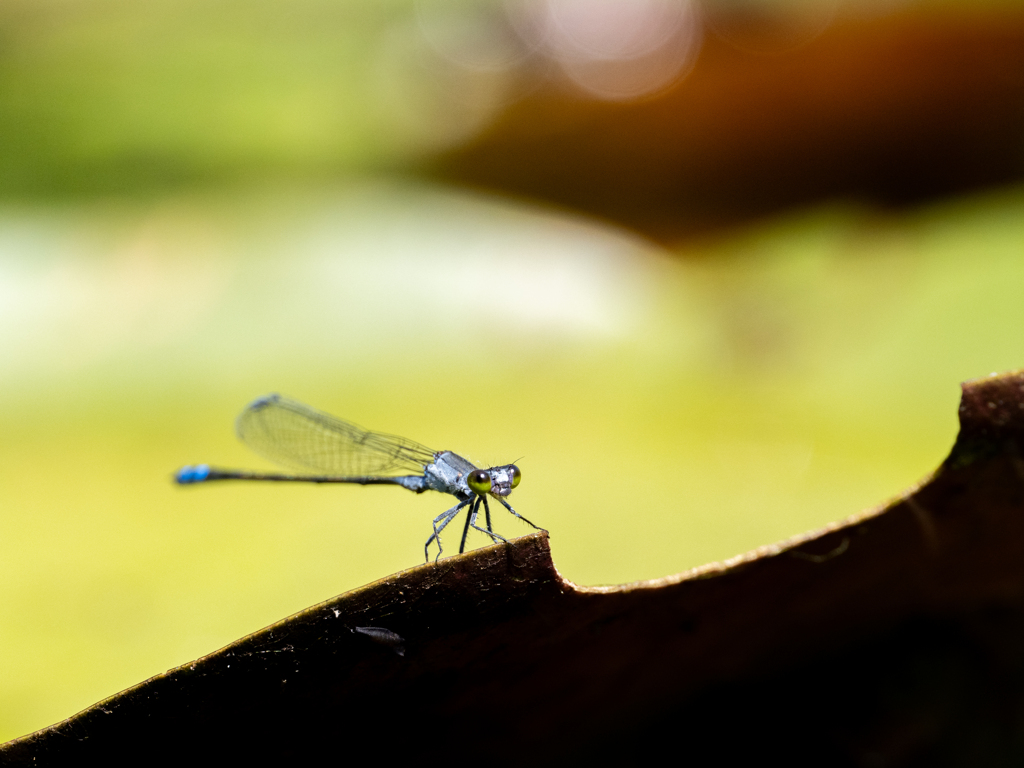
<point>479,481</point>
<point>516,475</point>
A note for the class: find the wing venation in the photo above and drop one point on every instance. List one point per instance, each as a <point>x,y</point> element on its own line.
<point>292,434</point>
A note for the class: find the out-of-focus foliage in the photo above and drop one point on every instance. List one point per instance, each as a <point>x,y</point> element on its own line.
<point>132,96</point>
<point>118,96</point>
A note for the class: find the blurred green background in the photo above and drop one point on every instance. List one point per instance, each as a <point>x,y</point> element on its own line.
<point>201,203</point>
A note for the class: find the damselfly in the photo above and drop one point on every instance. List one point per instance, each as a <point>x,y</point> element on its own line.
<point>326,449</point>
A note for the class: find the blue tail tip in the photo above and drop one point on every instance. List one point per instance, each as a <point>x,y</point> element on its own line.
<point>195,474</point>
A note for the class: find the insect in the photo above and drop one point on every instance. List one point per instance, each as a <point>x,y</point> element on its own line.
<point>326,449</point>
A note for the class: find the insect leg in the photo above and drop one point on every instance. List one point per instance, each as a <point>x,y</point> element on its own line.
<point>449,516</point>
<point>470,516</point>
<point>494,536</point>
<point>509,508</point>
<point>446,517</point>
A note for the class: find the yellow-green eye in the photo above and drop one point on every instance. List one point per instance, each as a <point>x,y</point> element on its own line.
<point>516,475</point>
<point>479,481</point>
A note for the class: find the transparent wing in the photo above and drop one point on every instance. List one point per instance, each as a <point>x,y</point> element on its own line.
<point>295,435</point>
